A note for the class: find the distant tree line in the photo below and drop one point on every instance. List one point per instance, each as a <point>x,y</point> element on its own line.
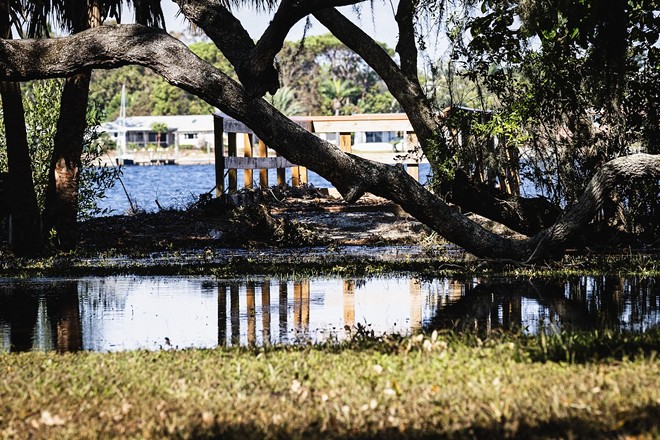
<point>319,76</point>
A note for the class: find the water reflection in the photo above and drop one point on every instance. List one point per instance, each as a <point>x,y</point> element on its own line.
<point>40,315</point>
<point>121,313</point>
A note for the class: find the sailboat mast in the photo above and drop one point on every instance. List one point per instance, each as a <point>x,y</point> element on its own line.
<point>122,124</point>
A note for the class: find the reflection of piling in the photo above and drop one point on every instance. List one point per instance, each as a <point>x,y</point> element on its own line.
<point>251,318</point>
<point>235,314</point>
<point>64,313</point>
<point>69,334</point>
<point>19,310</point>
<point>349,303</point>
<point>265,311</point>
<point>222,315</point>
<point>415,304</point>
<point>301,305</point>
<point>283,309</point>
<point>512,312</point>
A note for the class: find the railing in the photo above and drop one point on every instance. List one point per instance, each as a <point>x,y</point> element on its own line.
<point>252,160</point>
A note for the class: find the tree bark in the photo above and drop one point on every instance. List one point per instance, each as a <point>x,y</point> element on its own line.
<point>254,63</point>
<point>402,83</point>
<point>25,230</point>
<point>61,206</point>
<point>115,46</point>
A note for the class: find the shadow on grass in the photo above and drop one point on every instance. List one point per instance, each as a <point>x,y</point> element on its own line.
<point>644,421</point>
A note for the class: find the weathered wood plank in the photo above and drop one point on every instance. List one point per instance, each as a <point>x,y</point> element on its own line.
<point>361,125</point>
<point>255,163</point>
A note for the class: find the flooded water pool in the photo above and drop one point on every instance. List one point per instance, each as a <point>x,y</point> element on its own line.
<point>129,312</point>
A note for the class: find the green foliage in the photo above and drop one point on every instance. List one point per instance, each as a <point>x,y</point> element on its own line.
<point>313,73</point>
<point>577,80</point>
<point>329,78</point>
<point>42,106</point>
<point>286,102</point>
<point>147,94</point>
<point>210,53</point>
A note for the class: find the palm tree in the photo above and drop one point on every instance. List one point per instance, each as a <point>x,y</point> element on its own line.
<point>61,206</point>
<point>340,92</point>
<point>286,102</point>
<point>25,229</point>
<point>159,128</point>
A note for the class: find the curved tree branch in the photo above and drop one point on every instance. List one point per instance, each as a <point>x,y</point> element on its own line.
<point>406,47</point>
<point>114,46</point>
<point>405,88</point>
<point>254,63</point>
<point>227,32</point>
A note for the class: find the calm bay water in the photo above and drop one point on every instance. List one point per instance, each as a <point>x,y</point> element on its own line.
<point>179,185</point>
<point>127,312</point>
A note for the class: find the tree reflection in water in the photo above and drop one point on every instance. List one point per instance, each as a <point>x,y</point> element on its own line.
<point>43,315</point>
<point>118,313</point>
<point>583,303</point>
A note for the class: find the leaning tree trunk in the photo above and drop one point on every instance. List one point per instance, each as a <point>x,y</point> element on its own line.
<point>115,46</point>
<point>25,223</point>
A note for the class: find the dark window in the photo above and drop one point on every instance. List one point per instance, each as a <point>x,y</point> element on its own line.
<point>374,136</point>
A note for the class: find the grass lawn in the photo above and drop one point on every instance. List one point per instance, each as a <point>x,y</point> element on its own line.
<point>418,387</point>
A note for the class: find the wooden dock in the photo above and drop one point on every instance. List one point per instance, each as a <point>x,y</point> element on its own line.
<point>255,152</point>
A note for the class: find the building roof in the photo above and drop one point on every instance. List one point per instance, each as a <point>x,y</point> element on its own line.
<point>182,123</point>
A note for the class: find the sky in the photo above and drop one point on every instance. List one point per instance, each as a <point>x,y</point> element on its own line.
<point>380,25</point>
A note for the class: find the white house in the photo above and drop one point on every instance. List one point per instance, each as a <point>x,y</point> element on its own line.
<point>190,130</point>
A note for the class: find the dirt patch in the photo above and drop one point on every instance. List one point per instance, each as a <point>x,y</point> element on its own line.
<point>282,218</point>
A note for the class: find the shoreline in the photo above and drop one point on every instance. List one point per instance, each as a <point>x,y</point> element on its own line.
<point>197,157</point>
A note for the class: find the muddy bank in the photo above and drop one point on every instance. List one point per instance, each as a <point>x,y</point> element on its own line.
<point>282,219</point>
<point>271,231</point>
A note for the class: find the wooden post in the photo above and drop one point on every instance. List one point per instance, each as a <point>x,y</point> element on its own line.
<point>218,134</point>
<point>303,175</point>
<point>295,176</point>
<point>283,310</point>
<point>265,311</point>
<point>345,142</point>
<point>281,176</point>
<point>247,152</point>
<point>413,170</point>
<point>232,151</point>
<point>298,176</point>
<point>263,173</point>
<point>222,315</point>
<point>251,312</point>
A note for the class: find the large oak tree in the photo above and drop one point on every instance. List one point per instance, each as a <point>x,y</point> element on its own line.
<point>113,46</point>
